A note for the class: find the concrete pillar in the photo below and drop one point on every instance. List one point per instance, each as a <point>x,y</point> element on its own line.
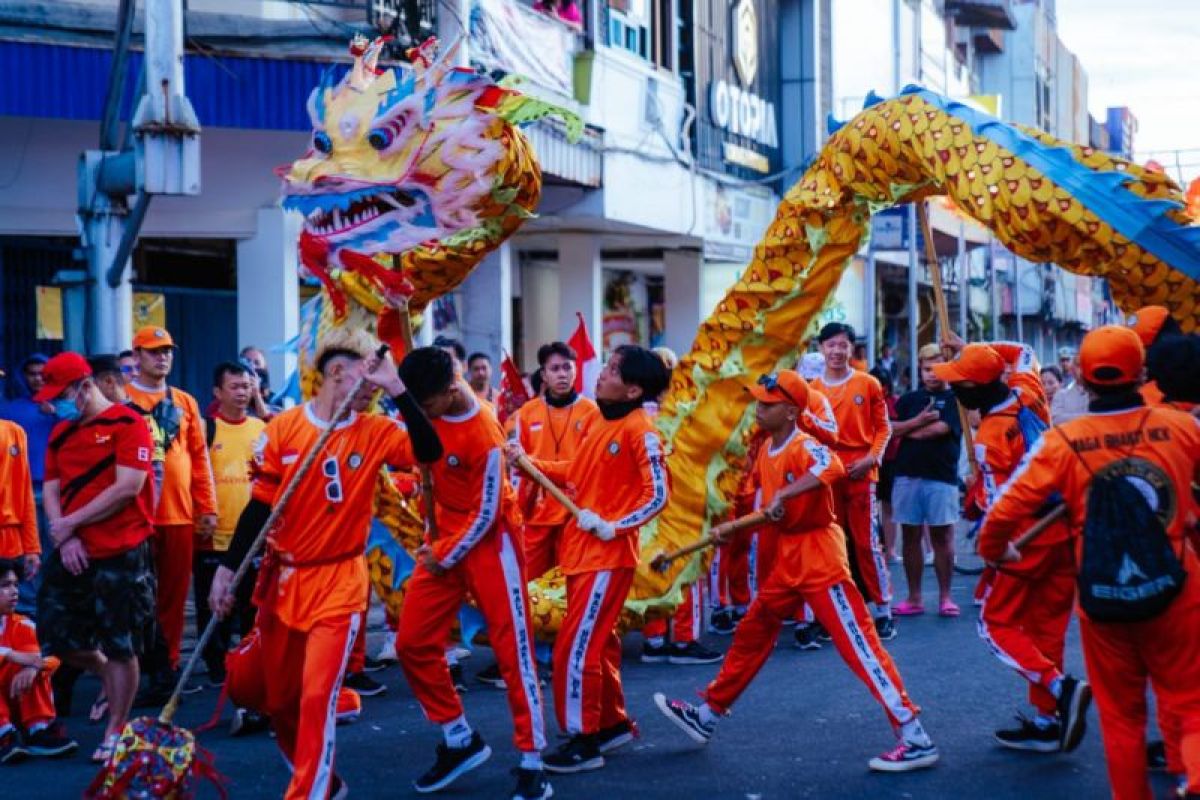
<point>268,297</point>
<point>486,294</point>
<point>683,288</point>
<point>540,303</point>
<point>581,285</point>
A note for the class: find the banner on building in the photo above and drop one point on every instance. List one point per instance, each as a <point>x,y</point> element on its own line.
<point>49,313</point>
<point>511,37</point>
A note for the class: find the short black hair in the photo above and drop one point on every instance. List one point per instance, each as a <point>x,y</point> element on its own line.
<point>14,565</point>
<point>884,377</point>
<point>833,329</point>
<point>104,364</point>
<point>1053,370</point>
<point>642,368</point>
<point>536,381</point>
<point>427,371</point>
<point>471,359</point>
<point>227,368</point>
<point>460,352</point>
<point>329,354</point>
<point>561,349</point>
<point>125,354</point>
<point>1173,362</point>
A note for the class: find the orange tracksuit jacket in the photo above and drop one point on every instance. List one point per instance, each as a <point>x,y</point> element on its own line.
<point>18,512</point>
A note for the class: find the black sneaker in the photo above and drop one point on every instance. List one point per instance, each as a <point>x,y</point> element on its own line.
<point>686,717</point>
<point>531,785</point>
<point>246,722</point>
<point>1028,736</point>
<point>491,676</point>
<point>693,653</point>
<point>652,654</point>
<point>452,763</point>
<point>806,638</point>
<point>885,627</point>
<point>11,750</point>
<point>820,632</point>
<point>364,684</point>
<point>51,741</point>
<point>1073,704</point>
<point>722,622</point>
<point>577,754</point>
<point>372,664</point>
<point>458,679</point>
<point>1156,756</point>
<point>616,736</point>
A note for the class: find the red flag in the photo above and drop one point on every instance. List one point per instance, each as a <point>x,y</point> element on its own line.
<point>581,343</point>
<point>513,391</point>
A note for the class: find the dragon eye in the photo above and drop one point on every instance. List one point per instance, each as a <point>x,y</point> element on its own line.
<point>380,138</point>
<point>322,142</point>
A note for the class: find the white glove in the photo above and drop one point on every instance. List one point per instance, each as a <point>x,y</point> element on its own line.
<point>596,525</point>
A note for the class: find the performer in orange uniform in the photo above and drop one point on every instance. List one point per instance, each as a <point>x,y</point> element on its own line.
<point>1158,449</point>
<point>18,512</point>
<point>187,503</point>
<point>619,477</point>
<point>312,586</point>
<point>478,552</point>
<point>1027,605</point>
<point>863,431</point>
<point>796,473</point>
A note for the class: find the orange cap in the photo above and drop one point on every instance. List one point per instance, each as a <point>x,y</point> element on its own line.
<point>1148,321</point>
<point>152,337</point>
<point>784,386</point>
<point>978,363</point>
<point>1111,355</point>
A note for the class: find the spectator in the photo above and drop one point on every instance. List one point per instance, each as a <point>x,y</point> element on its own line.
<point>926,488</point>
<point>263,403</point>
<point>97,593</point>
<point>37,420</point>
<point>230,434</point>
<point>566,11</point>
<point>109,376</point>
<point>187,505</point>
<point>18,510</point>
<point>859,359</point>
<point>887,360</point>
<point>128,363</point>
<point>1052,381</point>
<point>26,700</point>
<point>479,375</point>
<point>1072,400</point>
<point>887,470</point>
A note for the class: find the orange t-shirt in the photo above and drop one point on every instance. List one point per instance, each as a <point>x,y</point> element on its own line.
<point>550,434</point>
<point>812,548</point>
<point>471,492</point>
<point>818,419</point>
<point>620,473</point>
<point>1161,446</point>
<point>862,417</point>
<point>18,634</point>
<point>18,512</point>
<point>322,537</point>
<point>188,489</point>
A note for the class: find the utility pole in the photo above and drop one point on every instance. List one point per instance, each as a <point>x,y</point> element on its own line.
<point>163,158</point>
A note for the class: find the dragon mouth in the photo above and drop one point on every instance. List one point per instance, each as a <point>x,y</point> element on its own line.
<point>362,211</point>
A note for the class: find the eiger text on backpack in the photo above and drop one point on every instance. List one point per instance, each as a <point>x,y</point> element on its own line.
<point>1128,572</point>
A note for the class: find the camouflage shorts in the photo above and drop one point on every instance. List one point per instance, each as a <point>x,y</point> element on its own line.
<point>109,607</point>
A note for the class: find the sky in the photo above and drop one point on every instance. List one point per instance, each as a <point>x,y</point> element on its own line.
<point>1145,55</point>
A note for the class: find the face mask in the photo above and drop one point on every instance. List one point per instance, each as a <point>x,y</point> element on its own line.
<point>65,409</point>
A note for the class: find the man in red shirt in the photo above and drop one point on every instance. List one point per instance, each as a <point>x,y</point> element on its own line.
<point>97,594</point>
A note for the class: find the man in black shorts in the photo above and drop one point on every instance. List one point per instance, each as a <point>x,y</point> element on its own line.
<point>97,595</point>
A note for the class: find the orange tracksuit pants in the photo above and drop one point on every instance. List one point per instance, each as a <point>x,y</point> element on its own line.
<point>31,707</point>
<point>1122,658</point>
<point>295,677</point>
<point>854,506</point>
<point>173,547</point>
<point>684,625</point>
<point>1024,617</point>
<point>588,695</point>
<point>733,571</point>
<point>493,573</point>
<point>840,608</point>
<point>541,549</point>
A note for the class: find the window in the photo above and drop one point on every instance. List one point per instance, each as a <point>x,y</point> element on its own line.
<point>645,28</point>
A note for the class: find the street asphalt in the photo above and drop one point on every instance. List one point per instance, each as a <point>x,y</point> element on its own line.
<point>804,729</point>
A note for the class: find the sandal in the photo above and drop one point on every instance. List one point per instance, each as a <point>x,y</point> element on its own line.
<point>99,708</point>
<point>907,609</point>
<point>104,751</point>
<point>948,608</point>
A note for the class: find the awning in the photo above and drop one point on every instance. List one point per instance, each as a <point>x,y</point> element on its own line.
<point>982,13</point>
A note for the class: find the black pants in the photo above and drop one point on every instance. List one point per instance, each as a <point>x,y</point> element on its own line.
<point>240,621</point>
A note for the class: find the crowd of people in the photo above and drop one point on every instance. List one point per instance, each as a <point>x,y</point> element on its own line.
<point>121,495</point>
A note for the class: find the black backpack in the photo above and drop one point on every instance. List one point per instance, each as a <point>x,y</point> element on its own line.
<point>1128,572</point>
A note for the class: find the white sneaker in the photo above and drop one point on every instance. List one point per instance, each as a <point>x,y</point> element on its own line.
<point>387,653</point>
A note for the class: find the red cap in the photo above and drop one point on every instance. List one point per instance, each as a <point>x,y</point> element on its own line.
<point>1148,321</point>
<point>1112,355</point>
<point>59,373</point>
<point>152,337</point>
<point>978,363</point>
<point>784,386</point>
